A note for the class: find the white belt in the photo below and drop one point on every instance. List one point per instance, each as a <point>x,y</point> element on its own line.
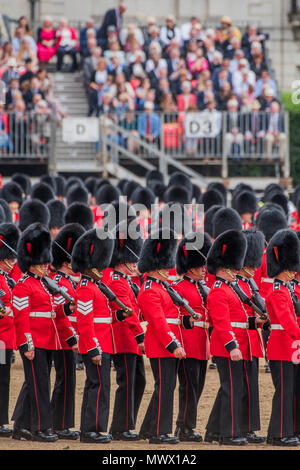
<point>107,320</point>
<point>237,324</point>
<point>201,324</point>
<point>276,327</point>
<point>173,321</point>
<point>72,318</point>
<point>268,280</point>
<point>43,314</point>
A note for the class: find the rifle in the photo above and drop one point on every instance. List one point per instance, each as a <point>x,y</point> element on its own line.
<point>2,304</point>
<point>295,300</point>
<point>111,296</point>
<point>245,300</point>
<point>256,298</point>
<point>55,289</point>
<point>180,301</point>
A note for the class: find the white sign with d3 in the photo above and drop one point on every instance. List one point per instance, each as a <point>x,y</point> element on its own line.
<point>80,129</point>
<point>202,124</point>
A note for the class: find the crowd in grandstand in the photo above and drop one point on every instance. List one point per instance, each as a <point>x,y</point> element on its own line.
<point>141,72</point>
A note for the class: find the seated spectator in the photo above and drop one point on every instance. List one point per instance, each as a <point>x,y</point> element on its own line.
<point>186,99</point>
<point>100,74</point>
<point>23,23</point>
<point>121,85</point>
<point>83,36</point>
<point>149,124</point>
<point>233,46</point>
<point>25,53</point>
<point>234,137</point>
<point>141,93</point>
<point>234,63</point>
<point>34,89</point>
<point>115,67</point>
<point>220,78</point>
<point>238,78</point>
<point>14,87</point>
<point>186,28</point>
<point>224,95</point>
<point>169,31</point>
<point>162,89</point>
<point>155,59</point>
<point>199,64</point>
<point>114,51</point>
<point>124,103</point>
<point>67,44</point>
<point>28,74</point>
<point>20,34</point>
<point>150,21</point>
<point>91,43</point>
<point>6,53</point>
<point>11,72</point>
<point>153,38</point>
<point>216,63</point>
<point>266,99</point>
<point>251,36</point>
<point>136,65</point>
<point>168,105</point>
<point>132,44</point>
<point>263,81</point>
<point>90,65</point>
<point>129,34</point>
<point>275,131</point>
<point>173,62</point>
<point>226,25</point>
<point>46,42</point>
<point>5,143</point>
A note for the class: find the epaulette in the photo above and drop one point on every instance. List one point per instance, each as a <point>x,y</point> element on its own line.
<point>148,284</point>
<point>276,286</point>
<point>23,278</point>
<point>84,282</point>
<point>217,284</point>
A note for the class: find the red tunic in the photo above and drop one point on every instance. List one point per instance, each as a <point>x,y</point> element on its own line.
<point>30,300</point>
<point>255,340</point>
<point>64,281</point>
<point>129,331</point>
<point>225,307</point>
<point>282,343</point>
<point>264,284</point>
<point>16,273</point>
<point>157,307</point>
<point>7,329</point>
<point>196,340</point>
<point>94,318</point>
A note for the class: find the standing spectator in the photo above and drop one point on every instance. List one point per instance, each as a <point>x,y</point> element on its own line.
<point>34,89</point>
<point>41,126</point>
<point>169,31</point>
<point>46,45</point>
<point>90,65</point>
<point>96,92</point>
<point>5,143</point>
<point>113,17</point>
<point>20,129</point>
<point>149,124</point>
<point>234,137</point>
<point>275,131</point>
<point>66,44</point>
<point>11,71</point>
<point>254,128</point>
<point>4,28</point>
<point>14,88</point>
<point>186,99</point>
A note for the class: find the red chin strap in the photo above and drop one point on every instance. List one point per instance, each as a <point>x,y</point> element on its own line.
<point>276,253</point>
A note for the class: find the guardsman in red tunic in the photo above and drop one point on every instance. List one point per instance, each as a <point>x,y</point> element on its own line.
<point>128,334</point>
<point>283,262</point>
<point>229,342</point>
<point>9,235</point>
<point>163,341</point>
<point>90,256</point>
<point>63,395</point>
<point>190,263</point>
<point>251,415</point>
<point>36,320</point>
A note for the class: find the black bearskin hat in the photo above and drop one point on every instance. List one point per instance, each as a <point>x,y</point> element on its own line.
<point>281,200</point>
<point>226,219</point>
<point>50,180</point>
<point>92,250</point>
<point>212,197</point>
<point>270,221</point>
<point>2,215</point>
<point>196,193</point>
<point>177,194</point>
<point>23,180</point>
<point>34,247</point>
<point>106,194</point>
<point>79,213</point>
<point>42,191</point>
<point>129,187</point>
<point>57,211</point>
<point>158,252</point>
<point>283,253</point>
<point>154,176</point>
<point>60,185</point>
<point>183,181</point>
<point>245,202</point>
<point>12,192</point>
<point>174,217</point>
<point>193,257</point>
<point>143,196</point>
<point>77,193</point>
<point>128,243</point>
<point>90,184</point>
<point>219,187</point>
<point>208,219</point>
<point>66,239</point>
<point>116,212</point>
<point>255,248</point>
<point>10,235</point>
<point>33,211</point>
<point>121,184</point>
<point>7,211</point>
<point>228,251</point>
<point>158,190</point>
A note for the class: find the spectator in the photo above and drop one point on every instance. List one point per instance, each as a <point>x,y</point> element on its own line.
<point>186,28</point>
<point>46,42</point>
<point>100,74</point>
<point>28,74</point>
<point>251,36</point>
<point>258,64</point>
<point>153,38</point>
<point>149,124</point>
<point>266,99</point>
<point>34,89</point>
<point>23,23</point>
<point>163,89</point>
<point>66,44</point>
<point>167,105</point>
<point>96,92</point>
<point>91,43</point>
<point>235,62</point>
<point>113,17</point>
<point>275,131</point>
<point>129,123</point>
<point>254,128</point>
<point>114,51</point>
<point>234,137</point>
<point>150,22</point>
<point>90,65</point>
<point>169,31</point>
<point>224,95</point>
<point>6,53</point>
<point>186,99</point>
<point>11,71</point>
<point>41,127</point>
<point>83,36</point>
<point>24,53</point>
<point>5,143</point>
<point>211,144</point>
<point>10,94</point>
<point>20,34</point>
<point>141,93</point>
<point>226,25</point>
<point>199,64</point>
<point>243,76</point>
<point>4,28</point>
<point>132,32</point>
<point>136,65</point>
<point>263,81</point>
<point>20,129</point>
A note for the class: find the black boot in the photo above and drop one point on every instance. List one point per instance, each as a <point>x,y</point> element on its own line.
<point>254,439</point>
<point>211,437</point>
<point>95,438</point>
<point>19,434</point>
<point>233,441</point>
<point>5,432</point>
<point>125,436</point>
<point>163,439</point>
<point>68,434</point>
<point>283,441</point>
<point>44,436</point>
<point>187,435</point>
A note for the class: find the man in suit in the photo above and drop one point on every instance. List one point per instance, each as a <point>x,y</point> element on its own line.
<point>275,131</point>
<point>234,137</point>
<point>112,17</point>
<point>149,124</point>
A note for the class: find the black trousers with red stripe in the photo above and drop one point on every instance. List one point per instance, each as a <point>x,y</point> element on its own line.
<point>226,416</point>
<point>159,415</point>
<point>96,394</point>
<point>5,362</point>
<point>191,374</point>
<point>250,403</point>
<point>282,415</point>
<point>63,395</point>
<point>33,410</point>
<point>131,385</point>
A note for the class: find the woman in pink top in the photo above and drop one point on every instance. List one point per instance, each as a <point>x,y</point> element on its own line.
<point>186,99</point>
